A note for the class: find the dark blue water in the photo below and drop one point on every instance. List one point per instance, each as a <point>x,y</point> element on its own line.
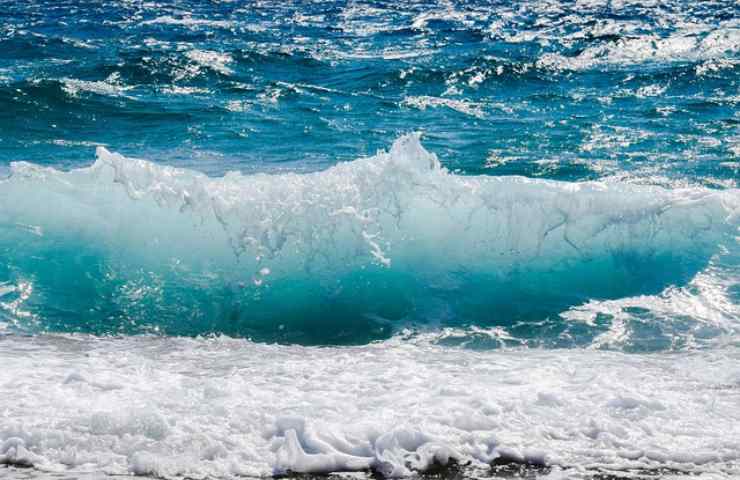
<point>547,89</point>
<point>643,99</point>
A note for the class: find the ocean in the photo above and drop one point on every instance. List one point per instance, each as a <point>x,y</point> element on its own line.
<point>370,239</point>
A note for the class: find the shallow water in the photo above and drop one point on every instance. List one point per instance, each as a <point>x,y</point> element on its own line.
<point>277,238</point>
<point>222,407</point>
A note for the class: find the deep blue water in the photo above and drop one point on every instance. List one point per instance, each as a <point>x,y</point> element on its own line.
<point>558,90</point>
<point>641,98</point>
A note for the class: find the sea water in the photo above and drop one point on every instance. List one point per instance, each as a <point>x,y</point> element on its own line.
<point>269,238</point>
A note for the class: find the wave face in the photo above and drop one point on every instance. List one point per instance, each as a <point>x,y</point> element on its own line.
<point>354,253</point>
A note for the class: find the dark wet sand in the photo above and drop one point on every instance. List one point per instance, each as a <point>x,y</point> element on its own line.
<point>503,470</point>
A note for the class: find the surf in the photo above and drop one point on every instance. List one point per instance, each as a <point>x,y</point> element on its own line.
<point>351,254</point>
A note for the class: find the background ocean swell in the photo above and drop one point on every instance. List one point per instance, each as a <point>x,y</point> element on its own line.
<point>351,254</point>
<point>573,91</point>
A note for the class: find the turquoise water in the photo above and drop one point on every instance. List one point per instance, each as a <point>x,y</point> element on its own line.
<point>441,232</point>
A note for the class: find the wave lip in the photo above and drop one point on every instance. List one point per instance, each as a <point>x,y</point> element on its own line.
<point>361,247</point>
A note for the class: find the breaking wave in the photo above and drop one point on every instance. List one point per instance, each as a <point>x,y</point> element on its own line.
<point>348,255</point>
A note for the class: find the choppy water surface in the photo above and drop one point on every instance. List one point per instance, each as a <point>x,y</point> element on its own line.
<point>564,90</point>
<point>254,239</point>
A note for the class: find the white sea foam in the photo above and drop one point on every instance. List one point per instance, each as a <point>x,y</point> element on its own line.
<point>463,106</point>
<point>180,90</point>
<point>713,46</point>
<point>111,86</point>
<point>74,143</point>
<point>216,61</point>
<point>189,22</point>
<point>706,301</point>
<point>223,408</point>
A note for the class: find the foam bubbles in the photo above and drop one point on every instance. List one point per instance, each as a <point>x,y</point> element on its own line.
<point>216,61</point>
<point>111,86</point>
<point>222,408</point>
<point>716,46</point>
